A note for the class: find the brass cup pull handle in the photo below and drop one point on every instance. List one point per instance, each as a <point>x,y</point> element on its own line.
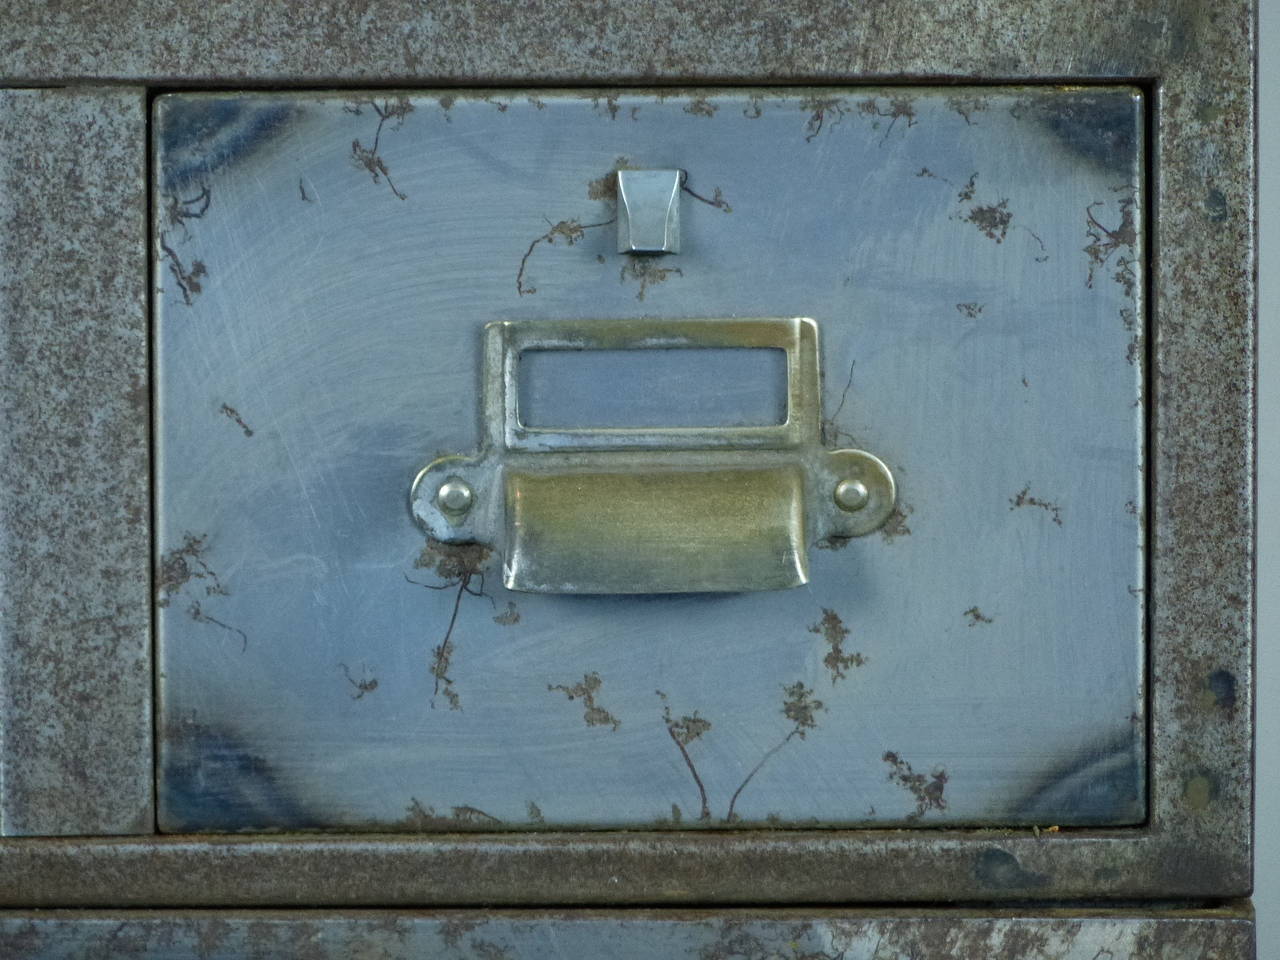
<point>645,509</point>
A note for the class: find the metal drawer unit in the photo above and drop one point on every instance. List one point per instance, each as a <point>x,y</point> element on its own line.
<point>631,496</point>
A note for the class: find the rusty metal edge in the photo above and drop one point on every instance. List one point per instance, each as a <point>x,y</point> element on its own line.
<point>1231,911</point>
<point>1199,65</point>
<point>600,869</point>
<point>492,42</point>
<point>999,934</point>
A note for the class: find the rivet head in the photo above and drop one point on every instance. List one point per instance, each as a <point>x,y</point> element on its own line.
<point>455,496</point>
<point>851,495</point>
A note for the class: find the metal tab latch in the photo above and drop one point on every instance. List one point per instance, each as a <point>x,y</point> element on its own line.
<point>649,210</point>
<point>644,509</point>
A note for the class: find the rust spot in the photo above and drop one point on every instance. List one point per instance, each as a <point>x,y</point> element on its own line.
<point>716,199</point>
<point>189,279</point>
<point>610,105</point>
<point>199,616</point>
<point>1025,499</point>
<point>645,270</point>
<point>456,565</point>
<point>234,416</point>
<point>687,728</point>
<point>441,658</point>
<point>1118,242</point>
<point>453,562</point>
<point>701,107</point>
<point>605,187</point>
<point>508,617</point>
<point>570,231</point>
<point>900,108</point>
<point>365,684</point>
<point>471,815</point>
<point>893,528</point>
<point>832,629</point>
<point>1133,352</point>
<point>183,564</point>
<point>968,106</point>
<point>683,732</point>
<point>976,617</point>
<point>818,110</point>
<point>927,791</point>
<point>896,525</point>
<point>369,158</point>
<point>831,434</point>
<point>593,714</point>
<point>992,220</point>
<point>420,817</point>
<point>178,212</point>
<point>798,706</point>
<point>801,708</point>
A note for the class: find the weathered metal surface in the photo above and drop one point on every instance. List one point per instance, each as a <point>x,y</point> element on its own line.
<point>472,41</point>
<point>1198,59</point>
<point>1157,934</point>
<point>328,268</point>
<point>1203,483</point>
<point>75,651</point>
<point>592,868</point>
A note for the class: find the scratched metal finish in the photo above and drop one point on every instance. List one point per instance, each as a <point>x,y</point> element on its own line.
<point>844,935</point>
<point>974,260</point>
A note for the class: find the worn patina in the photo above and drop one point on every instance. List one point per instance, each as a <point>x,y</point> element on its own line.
<point>1196,63</point>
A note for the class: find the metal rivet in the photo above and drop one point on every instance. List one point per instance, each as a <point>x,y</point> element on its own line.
<point>455,496</point>
<point>852,495</point>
